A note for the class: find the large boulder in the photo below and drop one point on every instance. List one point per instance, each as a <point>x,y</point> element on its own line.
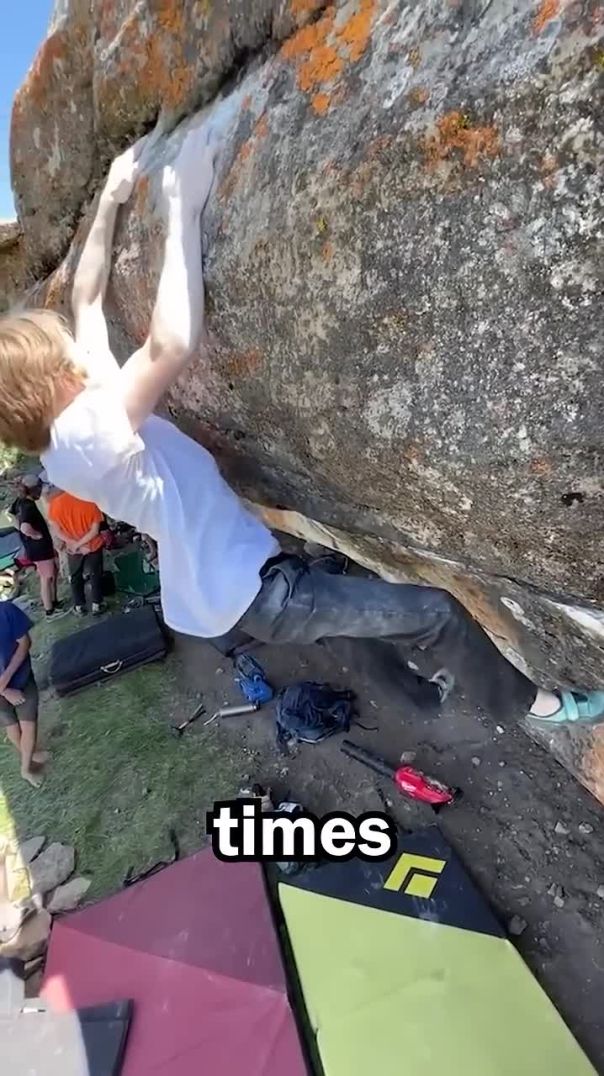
<point>401,269</point>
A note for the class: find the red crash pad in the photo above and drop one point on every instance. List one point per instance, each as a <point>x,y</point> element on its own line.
<point>194,946</point>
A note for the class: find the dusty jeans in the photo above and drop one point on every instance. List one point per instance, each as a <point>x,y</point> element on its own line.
<point>302,604</point>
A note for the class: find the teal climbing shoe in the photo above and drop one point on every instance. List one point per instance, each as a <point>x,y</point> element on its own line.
<point>577,708</point>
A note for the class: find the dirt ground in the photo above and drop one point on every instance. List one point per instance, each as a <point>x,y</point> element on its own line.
<point>504,827</point>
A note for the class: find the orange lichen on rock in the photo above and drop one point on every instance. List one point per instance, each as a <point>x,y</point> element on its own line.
<point>245,151</point>
<point>166,69</point>
<point>548,9</point>
<point>321,103</point>
<point>299,8</point>
<point>152,63</point>
<point>323,50</point>
<point>47,65</point>
<point>455,132</point>
<point>234,174</point>
<point>170,17</point>
<point>327,251</point>
<point>309,37</point>
<point>356,31</point>
<point>322,65</point>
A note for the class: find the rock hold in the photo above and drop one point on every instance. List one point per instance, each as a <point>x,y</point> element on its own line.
<point>52,867</point>
<point>67,897</point>
<point>561,829</point>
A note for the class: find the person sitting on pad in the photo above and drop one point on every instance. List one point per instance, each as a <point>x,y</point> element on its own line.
<point>76,525</point>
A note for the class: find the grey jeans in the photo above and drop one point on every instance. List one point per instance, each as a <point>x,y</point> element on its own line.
<point>302,604</point>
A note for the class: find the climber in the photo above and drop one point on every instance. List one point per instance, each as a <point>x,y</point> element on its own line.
<point>65,397</point>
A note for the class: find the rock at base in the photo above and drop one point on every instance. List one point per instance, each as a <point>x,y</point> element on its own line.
<point>30,848</point>
<point>52,867</point>
<point>67,897</point>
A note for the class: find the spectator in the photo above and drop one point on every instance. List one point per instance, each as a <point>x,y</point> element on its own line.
<point>18,690</point>
<point>36,539</point>
<point>76,525</point>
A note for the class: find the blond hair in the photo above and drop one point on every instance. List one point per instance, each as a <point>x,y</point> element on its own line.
<point>35,360</point>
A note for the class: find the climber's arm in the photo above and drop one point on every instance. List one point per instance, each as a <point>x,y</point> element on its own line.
<point>177,320</point>
<point>92,273</point>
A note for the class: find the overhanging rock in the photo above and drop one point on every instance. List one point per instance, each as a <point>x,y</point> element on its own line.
<point>401,269</point>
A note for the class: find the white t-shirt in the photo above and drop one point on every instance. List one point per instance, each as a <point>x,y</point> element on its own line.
<point>211,549</point>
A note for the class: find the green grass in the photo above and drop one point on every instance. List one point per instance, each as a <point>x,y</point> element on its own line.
<point>118,779</point>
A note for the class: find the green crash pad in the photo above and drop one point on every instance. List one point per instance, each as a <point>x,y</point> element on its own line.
<point>404,971</point>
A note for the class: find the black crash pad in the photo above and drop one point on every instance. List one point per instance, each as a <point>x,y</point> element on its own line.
<point>86,1042</point>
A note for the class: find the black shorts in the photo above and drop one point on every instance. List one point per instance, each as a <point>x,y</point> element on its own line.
<point>26,711</point>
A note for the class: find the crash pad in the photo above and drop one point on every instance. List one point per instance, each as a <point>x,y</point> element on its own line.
<point>404,970</point>
<point>195,947</point>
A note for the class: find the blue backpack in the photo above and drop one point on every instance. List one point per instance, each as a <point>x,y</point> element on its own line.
<point>308,712</point>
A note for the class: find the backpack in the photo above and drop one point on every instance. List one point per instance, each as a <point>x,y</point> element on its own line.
<point>308,712</point>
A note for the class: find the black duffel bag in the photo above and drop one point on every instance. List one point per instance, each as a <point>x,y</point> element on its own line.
<point>104,650</point>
